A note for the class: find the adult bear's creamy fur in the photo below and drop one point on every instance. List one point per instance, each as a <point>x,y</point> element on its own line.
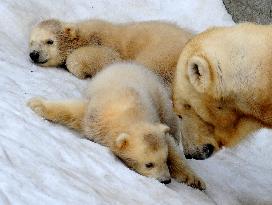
<point>223,87</point>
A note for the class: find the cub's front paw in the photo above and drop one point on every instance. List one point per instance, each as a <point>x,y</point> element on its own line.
<point>37,104</point>
<point>191,180</point>
<point>76,67</point>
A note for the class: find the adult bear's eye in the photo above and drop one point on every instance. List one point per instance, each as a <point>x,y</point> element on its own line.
<point>49,42</point>
<point>149,165</point>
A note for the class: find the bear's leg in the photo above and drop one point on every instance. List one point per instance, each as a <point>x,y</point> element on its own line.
<point>69,113</point>
<point>178,168</point>
<point>87,61</point>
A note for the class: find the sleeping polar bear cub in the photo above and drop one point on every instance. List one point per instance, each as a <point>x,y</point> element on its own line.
<point>86,47</point>
<point>129,110</point>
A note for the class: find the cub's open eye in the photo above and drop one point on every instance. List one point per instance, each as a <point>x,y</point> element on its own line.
<point>180,117</point>
<point>149,165</point>
<point>49,42</point>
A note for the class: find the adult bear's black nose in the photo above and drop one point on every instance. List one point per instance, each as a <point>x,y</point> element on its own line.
<point>34,55</point>
<point>188,156</point>
<point>208,150</point>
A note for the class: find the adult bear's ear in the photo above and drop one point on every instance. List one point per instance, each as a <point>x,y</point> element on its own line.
<point>199,73</point>
<point>122,141</point>
<point>71,31</point>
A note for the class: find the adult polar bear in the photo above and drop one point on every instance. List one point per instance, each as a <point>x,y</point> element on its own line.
<point>86,47</point>
<point>222,88</point>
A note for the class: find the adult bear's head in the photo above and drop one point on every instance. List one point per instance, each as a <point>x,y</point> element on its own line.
<point>223,87</point>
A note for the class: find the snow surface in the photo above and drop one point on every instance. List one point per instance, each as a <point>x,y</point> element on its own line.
<point>44,163</point>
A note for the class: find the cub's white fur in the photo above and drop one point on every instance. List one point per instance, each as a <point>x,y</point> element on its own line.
<point>129,110</point>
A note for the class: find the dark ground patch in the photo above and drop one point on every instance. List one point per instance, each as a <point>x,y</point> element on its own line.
<point>259,11</point>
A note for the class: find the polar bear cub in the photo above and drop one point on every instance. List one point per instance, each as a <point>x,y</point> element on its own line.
<point>129,110</point>
<point>85,47</point>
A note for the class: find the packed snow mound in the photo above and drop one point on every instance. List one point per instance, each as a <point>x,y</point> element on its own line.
<point>44,163</point>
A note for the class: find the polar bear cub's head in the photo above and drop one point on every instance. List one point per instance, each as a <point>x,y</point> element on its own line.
<point>51,41</point>
<point>145,150</point>
<point>43,43</point>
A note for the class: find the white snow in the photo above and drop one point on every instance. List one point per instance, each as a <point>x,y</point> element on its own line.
<point>44,163</point>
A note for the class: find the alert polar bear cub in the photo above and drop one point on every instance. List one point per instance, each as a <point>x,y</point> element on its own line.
<point>129,110</point>
<point>86,47</point>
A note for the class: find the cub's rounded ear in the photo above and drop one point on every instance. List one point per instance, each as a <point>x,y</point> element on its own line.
<point>71,30</point>
<point>163,128</point>
<point>199,73</point>
<point>122,141</point>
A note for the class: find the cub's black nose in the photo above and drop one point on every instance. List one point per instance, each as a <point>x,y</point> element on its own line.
<point>208,150</point>
<point>34,55</point>
<point>167,181</point>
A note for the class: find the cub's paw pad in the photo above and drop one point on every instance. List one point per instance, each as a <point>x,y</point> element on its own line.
<point>37,104</point>
<point>197,183</point>
<point>192,180</point>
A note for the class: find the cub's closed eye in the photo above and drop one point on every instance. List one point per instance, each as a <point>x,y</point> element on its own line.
<point>49,42</point>
<point>149,165</point>
<point>187,106</point>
